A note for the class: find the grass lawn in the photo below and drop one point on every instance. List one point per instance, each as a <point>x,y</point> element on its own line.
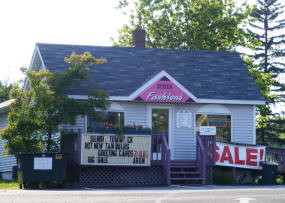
<point>8,185</point>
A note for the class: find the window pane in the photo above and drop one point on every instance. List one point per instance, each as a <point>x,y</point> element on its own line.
<point>222,123</point>
<point>109,120</point>
<point>159,120</point>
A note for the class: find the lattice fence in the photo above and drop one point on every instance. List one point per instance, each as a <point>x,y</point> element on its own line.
<point>209,175</point>
<point>120,176</point>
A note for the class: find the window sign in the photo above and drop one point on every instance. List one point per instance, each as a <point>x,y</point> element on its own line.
<point>207,130</point>
<point>183,119</point>
<point>111,149</point>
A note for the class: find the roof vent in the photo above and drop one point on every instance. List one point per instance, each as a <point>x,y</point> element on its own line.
<point>139,37</point>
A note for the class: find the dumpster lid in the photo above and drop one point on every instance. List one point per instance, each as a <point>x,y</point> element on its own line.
<point>270,163</point>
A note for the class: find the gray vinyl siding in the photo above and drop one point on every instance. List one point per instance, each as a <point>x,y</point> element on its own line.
<point>183,138</point>
<point>243,123</point>
<point>243,119</point>
<point>6,162</point>
<point>3,120</point>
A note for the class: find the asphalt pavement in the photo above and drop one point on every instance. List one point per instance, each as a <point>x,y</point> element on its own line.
<point>160,194</point>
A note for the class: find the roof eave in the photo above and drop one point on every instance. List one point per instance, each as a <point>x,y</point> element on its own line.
<point>199,101</point>
<point>5,106</point>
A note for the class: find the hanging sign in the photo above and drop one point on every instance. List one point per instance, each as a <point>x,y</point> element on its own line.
<point>111,149</point>
<point>164,91</point>
<point>183,119</point>
<point>241,156</point>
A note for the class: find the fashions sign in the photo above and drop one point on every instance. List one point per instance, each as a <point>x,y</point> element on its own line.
<point>164,91</point>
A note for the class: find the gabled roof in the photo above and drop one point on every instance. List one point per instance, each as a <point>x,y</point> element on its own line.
<point>217,75</point>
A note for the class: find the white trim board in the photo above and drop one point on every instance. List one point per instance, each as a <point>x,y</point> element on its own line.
<point>254,125</point>
<point>198,101</point>
<point>36,51</point>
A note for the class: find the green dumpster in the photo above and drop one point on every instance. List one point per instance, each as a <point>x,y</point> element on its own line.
<point>40,167</point>
<point>269,173</point>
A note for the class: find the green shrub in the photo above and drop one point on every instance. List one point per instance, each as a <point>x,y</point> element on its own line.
<point>223,176</point>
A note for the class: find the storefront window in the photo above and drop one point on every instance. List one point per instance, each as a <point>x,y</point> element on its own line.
<point>222,123</point>
<point>108,120</point>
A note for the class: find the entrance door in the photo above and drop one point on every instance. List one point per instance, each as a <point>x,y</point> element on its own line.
<point>160,119</point>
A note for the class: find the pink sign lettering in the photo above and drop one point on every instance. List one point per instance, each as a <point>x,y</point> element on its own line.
<point>164,91</point>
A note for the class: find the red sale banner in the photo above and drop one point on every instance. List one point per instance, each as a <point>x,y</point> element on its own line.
<point>241,156</point>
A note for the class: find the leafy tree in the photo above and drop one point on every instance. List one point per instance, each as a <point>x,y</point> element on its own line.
<point>267,30</point>
<point>264,82</point>
<point>264,121</point>
<point>184,24</point>
<point>273,133</point>
<point>4,91</point>
<point>37,113</point>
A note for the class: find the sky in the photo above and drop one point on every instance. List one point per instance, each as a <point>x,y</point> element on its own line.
<point>23,23</point>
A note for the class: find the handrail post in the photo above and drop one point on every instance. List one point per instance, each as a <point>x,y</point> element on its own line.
<point>202,157</point>
<point>213,150</point>
<point>168,167</point>
<point>204,168</point>
<point>165,157</point>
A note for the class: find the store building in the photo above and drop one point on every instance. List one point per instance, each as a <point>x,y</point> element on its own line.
<point>175,91</point>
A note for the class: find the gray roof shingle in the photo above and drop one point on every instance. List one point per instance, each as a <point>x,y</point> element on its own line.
<point>206,74</point>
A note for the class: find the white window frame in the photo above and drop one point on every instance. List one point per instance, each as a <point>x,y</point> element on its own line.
<point>212,113</point>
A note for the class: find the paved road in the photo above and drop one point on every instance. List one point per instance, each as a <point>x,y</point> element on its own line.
<point>174,194</point>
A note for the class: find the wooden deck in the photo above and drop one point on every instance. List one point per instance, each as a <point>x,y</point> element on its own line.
<point>199,171</point>
<point>277,155</point>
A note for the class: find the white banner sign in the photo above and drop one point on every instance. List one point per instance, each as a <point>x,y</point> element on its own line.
<point>207,130</point>
<point>110,149</point>
<point>241,156</point>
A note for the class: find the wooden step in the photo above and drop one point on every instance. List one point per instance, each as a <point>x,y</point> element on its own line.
<point>184,166</point>
<point>183,163</point>
<point>194,179</point>
<point>186,173</point>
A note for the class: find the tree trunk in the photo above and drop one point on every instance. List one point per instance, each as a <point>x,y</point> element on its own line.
<point>49,140</point>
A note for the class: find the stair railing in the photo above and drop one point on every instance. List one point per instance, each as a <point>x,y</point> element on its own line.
<point>277,155</point>
<point>201,158</point>
<point>161,153</point>
<point>206,155</point>
<point>165,157</point>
